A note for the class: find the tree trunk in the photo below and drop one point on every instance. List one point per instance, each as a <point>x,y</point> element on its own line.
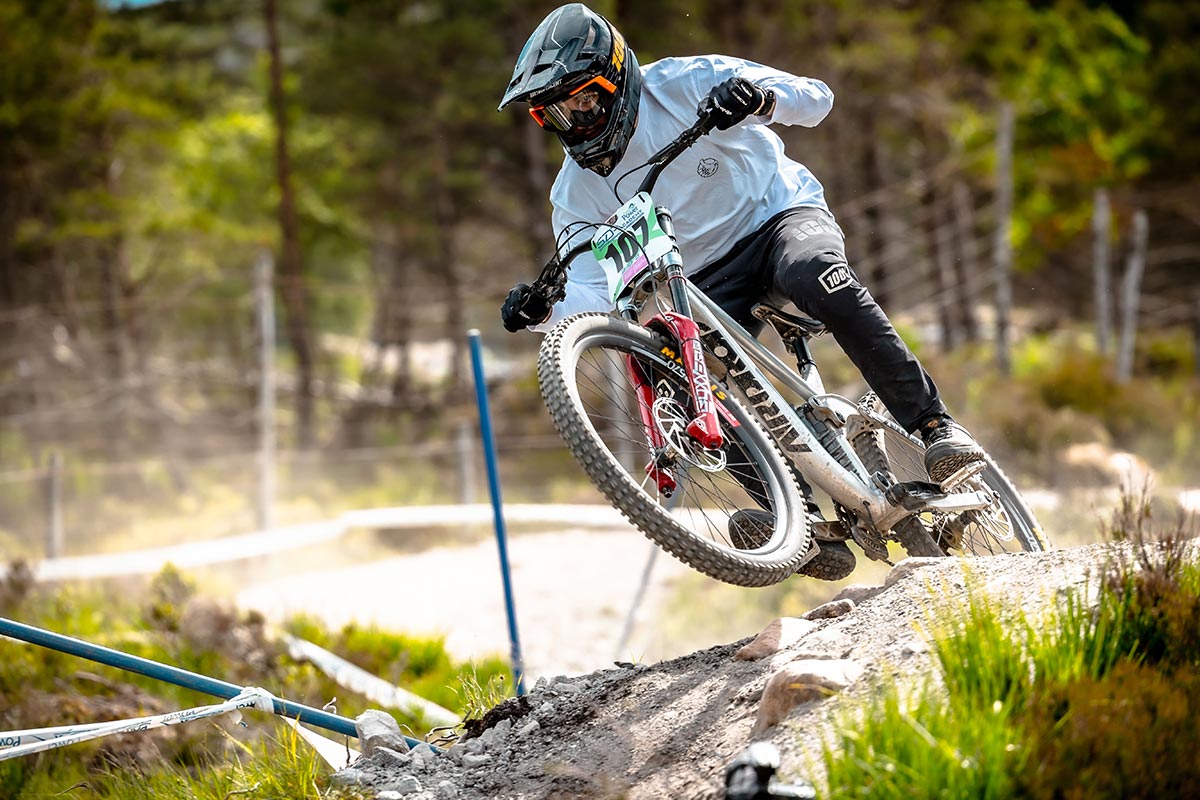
<point>537,182</point>
<point>291,286</point>
<point>446,218</point>
<point>1196,334</point>
<point>873,271</point>
<point>968,261</point>
<point>1002,254</point>
<point>1131,291</point>
<point>941,259</point>
<point>1101,220</point>
<point>114,343</point>
<point>889,252</point>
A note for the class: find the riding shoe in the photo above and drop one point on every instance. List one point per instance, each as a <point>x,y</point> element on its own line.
<point>948,448</point>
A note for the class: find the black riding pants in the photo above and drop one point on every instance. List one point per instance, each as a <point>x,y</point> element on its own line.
<point>799,256</point>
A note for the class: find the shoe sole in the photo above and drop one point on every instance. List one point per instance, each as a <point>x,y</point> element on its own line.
<point>947,466</point>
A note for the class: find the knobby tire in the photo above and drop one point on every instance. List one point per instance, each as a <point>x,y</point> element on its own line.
<point>563,350</point>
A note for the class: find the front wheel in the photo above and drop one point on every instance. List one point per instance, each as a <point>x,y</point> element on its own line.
<point>584,368</point>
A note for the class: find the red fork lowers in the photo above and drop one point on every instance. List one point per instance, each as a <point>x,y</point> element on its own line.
<point>662,476</point>
<point>705,428</point>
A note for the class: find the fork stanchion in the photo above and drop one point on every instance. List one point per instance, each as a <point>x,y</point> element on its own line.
<point>493,473</point>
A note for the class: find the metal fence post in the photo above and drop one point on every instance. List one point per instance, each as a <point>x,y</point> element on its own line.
<point>54,510</point>
<point>264,271</point>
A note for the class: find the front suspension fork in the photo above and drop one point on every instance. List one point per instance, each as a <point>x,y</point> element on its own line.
<point>664,479</point>
<point>705,428</point>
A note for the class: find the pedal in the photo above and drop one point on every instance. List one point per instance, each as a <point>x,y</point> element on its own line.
<point>962,475</point>
<point>829,530</point>
<point>872,544</point>
<point>918,496</point>
<point>914,495</point>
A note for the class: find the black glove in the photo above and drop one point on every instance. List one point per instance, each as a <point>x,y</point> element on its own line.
<point>732,101</point>
<point>523,308</point>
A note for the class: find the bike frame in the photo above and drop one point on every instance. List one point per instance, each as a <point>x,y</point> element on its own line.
<point>756,369</point>
<point>696,322</point>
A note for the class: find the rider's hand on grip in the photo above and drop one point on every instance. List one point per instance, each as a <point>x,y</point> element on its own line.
<point>732,101</point>
<point>522,308</point>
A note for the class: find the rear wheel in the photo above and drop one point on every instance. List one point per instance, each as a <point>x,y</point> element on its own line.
<point>584,372</point>
<point>1007,525</point>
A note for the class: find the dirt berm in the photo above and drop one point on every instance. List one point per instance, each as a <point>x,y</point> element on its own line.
<point>668,730</point>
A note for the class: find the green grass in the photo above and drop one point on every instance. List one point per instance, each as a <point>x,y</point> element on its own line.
<point>279,766</point>
<point>1096,699</point>
<point>169,621</point>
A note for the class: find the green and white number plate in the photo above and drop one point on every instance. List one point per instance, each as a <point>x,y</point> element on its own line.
<point>629,243</point>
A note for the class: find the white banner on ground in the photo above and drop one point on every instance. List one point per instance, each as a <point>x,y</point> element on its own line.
<point>335,754</point>
<point>357,679</point>
<point>23,743</point>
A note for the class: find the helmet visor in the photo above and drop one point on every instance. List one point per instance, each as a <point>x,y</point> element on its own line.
<point>581,114</point>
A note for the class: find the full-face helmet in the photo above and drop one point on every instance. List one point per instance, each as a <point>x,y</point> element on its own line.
<point>582,83</point>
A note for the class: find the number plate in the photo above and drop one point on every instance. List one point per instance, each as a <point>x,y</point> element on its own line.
<point>629,242</point>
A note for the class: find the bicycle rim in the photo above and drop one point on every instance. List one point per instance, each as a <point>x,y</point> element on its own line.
<point>1008,525</point>
<point>585,376</point>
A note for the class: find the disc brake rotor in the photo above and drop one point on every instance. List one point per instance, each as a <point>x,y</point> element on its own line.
<point>991,523</point>
<point>672,422</point>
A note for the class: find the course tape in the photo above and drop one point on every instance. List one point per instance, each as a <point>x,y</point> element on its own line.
<point>23,743</point>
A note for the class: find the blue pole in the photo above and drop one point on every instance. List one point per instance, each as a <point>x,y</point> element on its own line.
<point>489,453</point>
<point>169,674</point>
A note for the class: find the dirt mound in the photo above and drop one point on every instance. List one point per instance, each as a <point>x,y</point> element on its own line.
<point>669,729</point>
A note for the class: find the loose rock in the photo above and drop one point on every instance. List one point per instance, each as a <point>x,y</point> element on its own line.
<point>528,728</point>
<point>780,634</point>
<point>349,777</point>
<point>858,592</point>
<point>800,682</point>
<point>406,784</point>
<point>389,757</point>
<point>834,608</point>
<point>379,729</point>
<point>907,567</point>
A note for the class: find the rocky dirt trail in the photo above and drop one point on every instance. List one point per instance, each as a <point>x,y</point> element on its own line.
<point>669,729</point>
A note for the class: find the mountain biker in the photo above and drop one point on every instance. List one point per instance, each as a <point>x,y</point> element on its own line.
<point>757,228</point>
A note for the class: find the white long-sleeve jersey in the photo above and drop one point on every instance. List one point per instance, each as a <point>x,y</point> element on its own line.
<point>721,190</point>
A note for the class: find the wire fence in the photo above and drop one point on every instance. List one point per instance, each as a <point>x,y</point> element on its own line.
<point>176,405</point>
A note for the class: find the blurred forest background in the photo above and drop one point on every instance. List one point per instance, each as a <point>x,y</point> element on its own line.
<point>152,155</point>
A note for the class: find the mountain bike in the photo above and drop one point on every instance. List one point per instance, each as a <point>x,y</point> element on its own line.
<point>705,439</point>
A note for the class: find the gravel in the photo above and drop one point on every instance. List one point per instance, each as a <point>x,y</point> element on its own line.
<point>669,729</point>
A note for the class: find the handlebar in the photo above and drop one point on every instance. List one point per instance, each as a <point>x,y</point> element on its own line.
<point>552,279</point>
<point>662,158</point>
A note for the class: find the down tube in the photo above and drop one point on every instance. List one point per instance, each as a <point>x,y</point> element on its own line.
<point>817,465</point>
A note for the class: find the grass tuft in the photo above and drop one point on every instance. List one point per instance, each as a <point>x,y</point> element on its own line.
<point>1099,699</point>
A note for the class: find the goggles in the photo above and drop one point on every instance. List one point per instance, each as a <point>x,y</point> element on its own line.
<point>582,111</point>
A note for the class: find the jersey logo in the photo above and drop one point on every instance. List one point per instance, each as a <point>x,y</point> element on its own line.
<point>707,167</point>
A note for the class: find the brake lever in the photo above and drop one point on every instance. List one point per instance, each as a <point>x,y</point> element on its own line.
<point>551,282</point>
